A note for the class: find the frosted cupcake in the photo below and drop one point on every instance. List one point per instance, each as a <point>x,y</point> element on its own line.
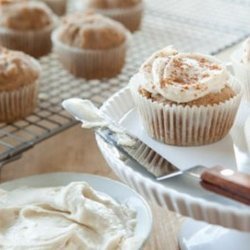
<point>185,99</point>
<point>19,79</point>
<point>27,26</point>
<point>128,12</point>
<point>91,46</point>
<point>241,66</point>
<point>58,6</point>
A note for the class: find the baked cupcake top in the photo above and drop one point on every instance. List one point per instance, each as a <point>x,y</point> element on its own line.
<point>92,31</point>
<point>112,4</point>
<point>24,16</point>
<point>183,77</point>
<point>17,69</point>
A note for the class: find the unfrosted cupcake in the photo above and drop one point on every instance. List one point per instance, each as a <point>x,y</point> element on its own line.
<point>241,66</point>
<point>185,99</point>
<point>128,12</point>
<point>58,6</point>
<point>91,46</point>
<point>27,26</point>
<point>19,78</point>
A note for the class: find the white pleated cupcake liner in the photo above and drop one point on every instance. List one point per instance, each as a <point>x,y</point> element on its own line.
<point>35,43</point>
<point>59,7</point>
<point>90,64</point>
<point>200,209</point>
<point>187,125</point>
<point>18,103</point>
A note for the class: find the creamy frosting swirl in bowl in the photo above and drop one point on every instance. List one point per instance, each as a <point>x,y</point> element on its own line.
<point>68,217</point>
<point>182,77</point>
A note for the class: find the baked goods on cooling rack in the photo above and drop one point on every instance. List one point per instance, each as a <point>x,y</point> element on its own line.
<point>91,46</point>
<point>27,26</point>
<point>19,79</point>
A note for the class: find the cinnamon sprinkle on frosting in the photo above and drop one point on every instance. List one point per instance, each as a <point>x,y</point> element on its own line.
<point>183,77</point>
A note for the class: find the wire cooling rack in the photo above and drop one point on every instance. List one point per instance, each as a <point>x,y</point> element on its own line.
<point>192,25</point>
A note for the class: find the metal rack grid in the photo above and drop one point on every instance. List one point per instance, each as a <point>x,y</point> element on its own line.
<point>192,25</point>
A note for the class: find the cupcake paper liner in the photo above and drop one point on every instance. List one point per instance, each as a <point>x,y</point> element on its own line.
<point>35,43</point>
<point>90,64</point>
<point>18,103</point>
<point>187,126</point>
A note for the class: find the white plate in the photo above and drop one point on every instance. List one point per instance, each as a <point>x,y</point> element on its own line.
<point>118,191</point>
<point>195,206</point>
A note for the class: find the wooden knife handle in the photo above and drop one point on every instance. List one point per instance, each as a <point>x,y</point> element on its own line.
<point>228,181</point>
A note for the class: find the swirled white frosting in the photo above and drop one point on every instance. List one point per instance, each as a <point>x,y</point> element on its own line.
<point>182,77</point>
<point>72,217</point>
<point>246,51</point>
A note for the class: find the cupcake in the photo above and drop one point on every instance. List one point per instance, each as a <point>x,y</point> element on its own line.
<point>185,99</point>
<point>128,12</point>
<point>241,66</point>
<point>27,26</point>
<point>58,6</point>
<point>91,46</point>
<point>19,77</point>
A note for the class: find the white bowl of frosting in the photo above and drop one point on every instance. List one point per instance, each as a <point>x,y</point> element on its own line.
<point>72,211</point>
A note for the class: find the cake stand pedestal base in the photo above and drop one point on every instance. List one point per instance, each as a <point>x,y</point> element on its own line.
<point>196,235</point>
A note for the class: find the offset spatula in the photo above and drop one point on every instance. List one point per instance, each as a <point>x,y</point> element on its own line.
<point>218,179</point>
<point>226,182</point>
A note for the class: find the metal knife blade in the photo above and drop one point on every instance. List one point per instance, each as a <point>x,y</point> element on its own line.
<point>223,181</point>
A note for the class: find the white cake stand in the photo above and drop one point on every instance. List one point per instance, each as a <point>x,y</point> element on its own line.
<point>223,226</point>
